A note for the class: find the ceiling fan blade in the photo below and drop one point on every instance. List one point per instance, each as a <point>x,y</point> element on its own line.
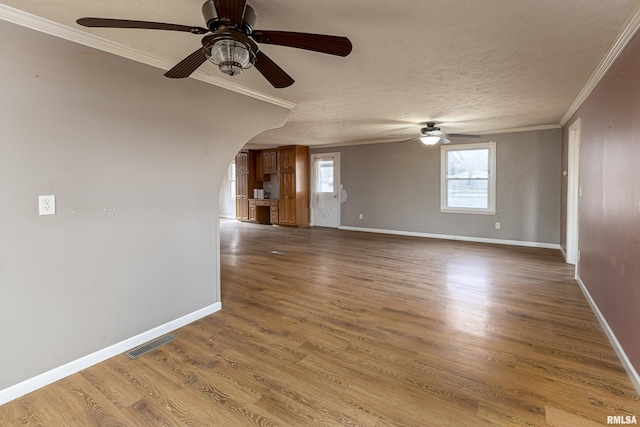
<point>272,72</point>
<point>188,65</point>
<point>462,135</point>
<point>406,140</point>
<point>333,45</point>
<point>125,23</point>
<point>444,140</point>
<point>230,11</point>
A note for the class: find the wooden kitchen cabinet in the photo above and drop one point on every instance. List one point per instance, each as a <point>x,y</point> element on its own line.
<point>275,211</point>
<point>259,168</point>
<point>293,174</point>
<point>252,210</point>
<point>263,211</point>
<point>253,167</point>
<point>270,161</point>
<point>287,157</point>
<point>287,208</point>
<point>287,212</point>
<point>242,161</point>
<point>245,183</point>
<point>242,209</point>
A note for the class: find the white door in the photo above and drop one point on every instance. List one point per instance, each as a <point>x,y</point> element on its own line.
<point>325,198</point>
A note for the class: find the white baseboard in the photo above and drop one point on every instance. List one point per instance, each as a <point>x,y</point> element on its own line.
<point>46,378</point>
<point>626,363</point>
<point>563,252</point>
<point>451,237</point>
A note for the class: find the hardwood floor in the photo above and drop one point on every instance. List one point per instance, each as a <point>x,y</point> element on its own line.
<point>328,327</point>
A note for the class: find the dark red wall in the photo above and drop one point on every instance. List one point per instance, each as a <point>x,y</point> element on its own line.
<point>609,209</point>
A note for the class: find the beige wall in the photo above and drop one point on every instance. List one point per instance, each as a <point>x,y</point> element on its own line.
<point>136,162</point>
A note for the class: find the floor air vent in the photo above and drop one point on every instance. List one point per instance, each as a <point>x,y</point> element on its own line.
<point>150,346</point>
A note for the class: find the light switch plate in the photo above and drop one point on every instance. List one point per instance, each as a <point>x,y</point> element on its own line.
<point>47,205</point>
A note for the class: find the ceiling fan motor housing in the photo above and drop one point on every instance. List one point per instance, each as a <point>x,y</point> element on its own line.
<point>213,21</point>
<point>432,130</point>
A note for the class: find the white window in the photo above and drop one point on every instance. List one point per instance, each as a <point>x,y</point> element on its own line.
<point>324,182</point>
<point>468,178</point>
<point>232,180</point>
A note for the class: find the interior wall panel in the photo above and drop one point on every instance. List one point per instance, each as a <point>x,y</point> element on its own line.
<point>135,161</point>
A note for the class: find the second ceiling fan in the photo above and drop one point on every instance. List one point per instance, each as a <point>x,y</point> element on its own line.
<point>230,41</point>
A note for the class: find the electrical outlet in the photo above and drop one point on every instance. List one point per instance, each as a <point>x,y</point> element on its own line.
<point>47,205</point>
<point>497,226</point>
<point>360,216</point>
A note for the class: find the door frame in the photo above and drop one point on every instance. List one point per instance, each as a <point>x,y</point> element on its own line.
<point>336,179</point>
<point>573,192</point>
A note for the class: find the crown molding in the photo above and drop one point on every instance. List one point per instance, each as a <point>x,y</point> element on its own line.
<point>514,130</point>
<point>630,30</point>
<point>56,29</point>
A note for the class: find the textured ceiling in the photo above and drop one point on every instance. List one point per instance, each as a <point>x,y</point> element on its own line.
<point>472,66</point>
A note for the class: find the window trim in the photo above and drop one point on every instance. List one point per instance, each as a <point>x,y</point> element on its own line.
<point>491,210</point>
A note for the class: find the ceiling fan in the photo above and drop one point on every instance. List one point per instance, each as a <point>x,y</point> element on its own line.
<point>431,135</point>
<point>230,41</point>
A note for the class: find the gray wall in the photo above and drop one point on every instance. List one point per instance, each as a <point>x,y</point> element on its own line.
<point>397,187</point>
<point>136,162</point>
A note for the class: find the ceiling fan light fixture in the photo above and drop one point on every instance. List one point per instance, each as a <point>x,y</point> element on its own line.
<point>430,140</point>
<point>230,55</point>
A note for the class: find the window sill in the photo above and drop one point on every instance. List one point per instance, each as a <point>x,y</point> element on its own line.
<point>469,211</point>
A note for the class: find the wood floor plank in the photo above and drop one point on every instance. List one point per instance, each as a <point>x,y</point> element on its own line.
<point>85,404</point>
<point>561,418</point>
<point>109,382</point>
<point>347,328</point>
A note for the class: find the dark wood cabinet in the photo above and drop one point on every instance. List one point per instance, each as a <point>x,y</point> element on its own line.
<point>274,211</point>
<point>263,211</point>
<point>259,168</point>
<point>242,209</point>
<point>245,183</point>
<point>287,158</point>
<point>293,174</point>
<point>287,212</point>
<point>270,161</point>
<point>288,197</point>
<point>242,161</point>
<point>252,210</point>
<point>254,167</point>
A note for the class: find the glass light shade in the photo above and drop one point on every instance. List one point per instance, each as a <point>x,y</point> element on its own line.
<point>230,56</point>
<point>429,140</point>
